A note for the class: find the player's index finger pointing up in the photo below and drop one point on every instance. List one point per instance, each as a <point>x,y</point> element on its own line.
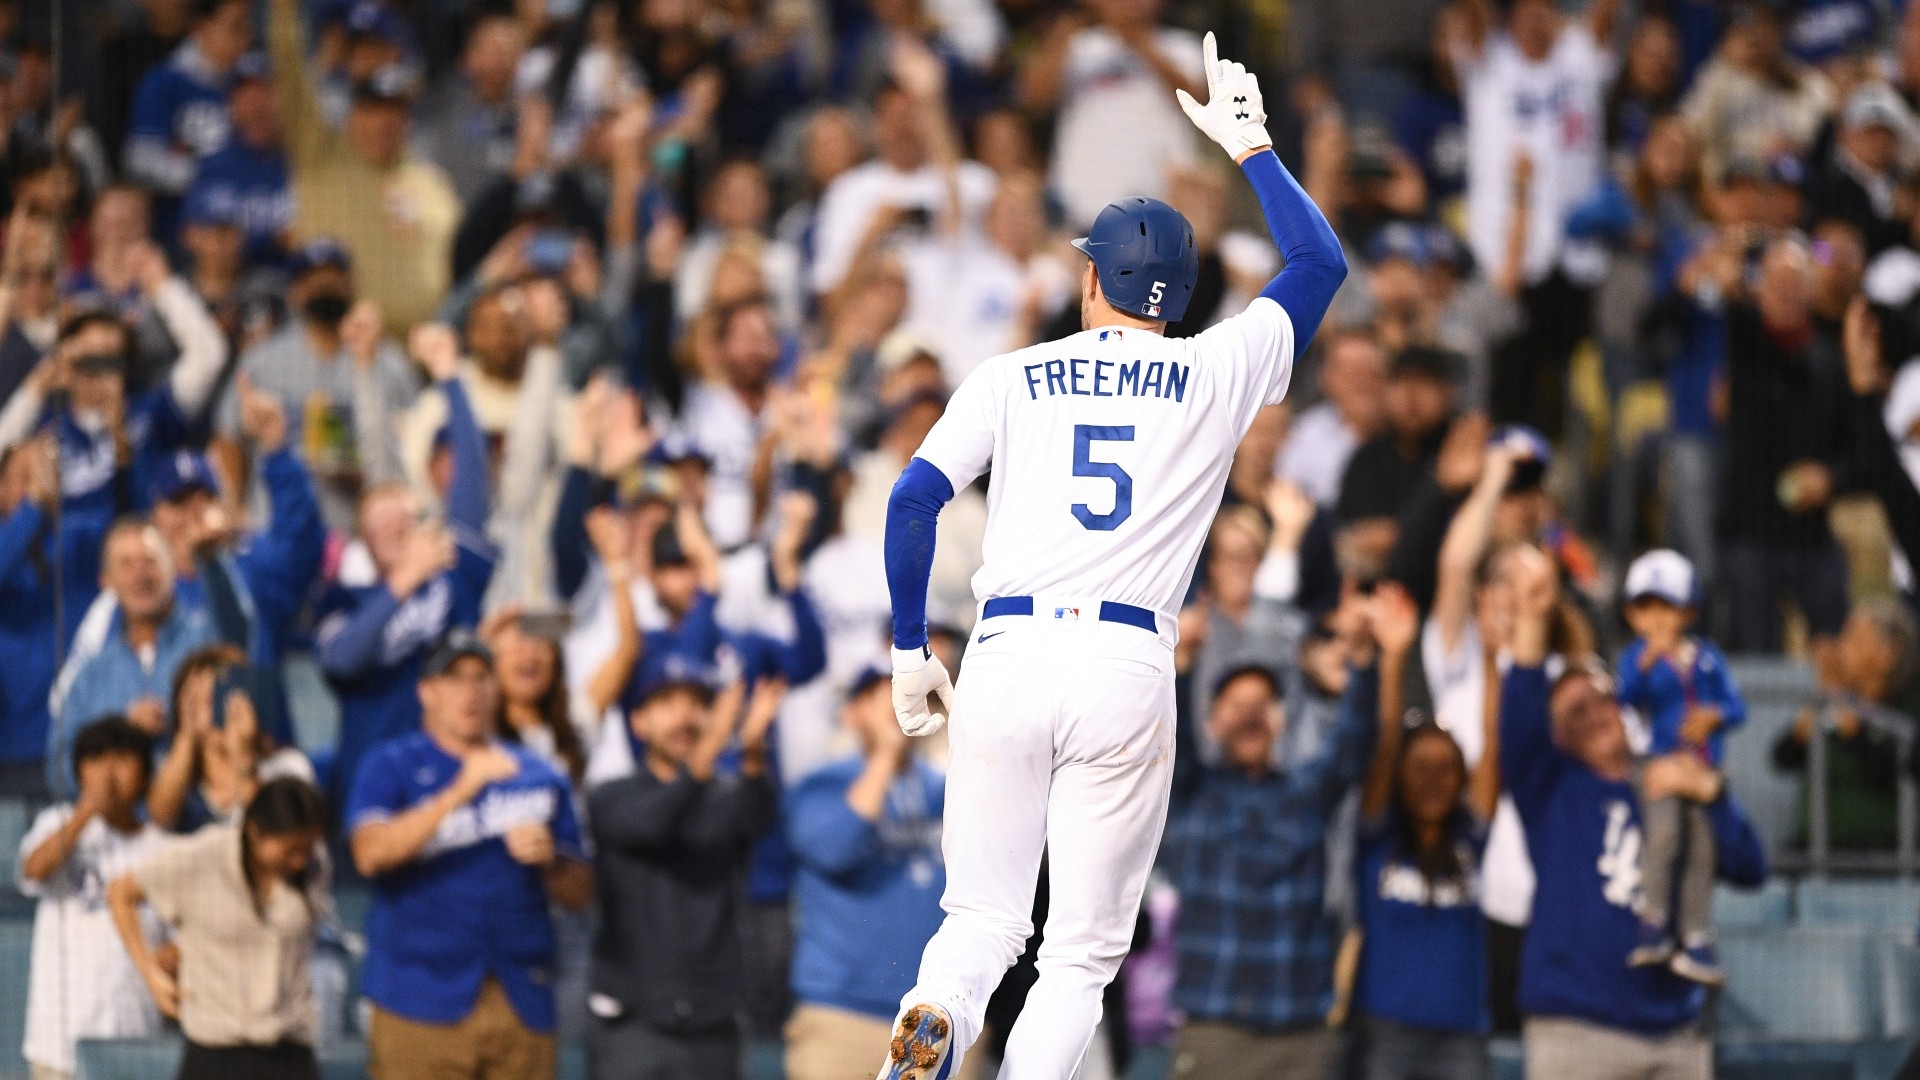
<point>1210,60</point>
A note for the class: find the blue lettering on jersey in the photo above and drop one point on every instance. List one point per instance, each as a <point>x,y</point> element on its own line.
<point>1108,379</point>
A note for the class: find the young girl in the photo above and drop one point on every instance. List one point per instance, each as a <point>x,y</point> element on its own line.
<point>1421,996</point>
<point>242,902</point>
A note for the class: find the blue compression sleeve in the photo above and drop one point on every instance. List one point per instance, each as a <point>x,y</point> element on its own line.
<point>912,511</point>
<point>1315,265</point>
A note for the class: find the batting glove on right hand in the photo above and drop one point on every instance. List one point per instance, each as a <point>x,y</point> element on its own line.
<point>1235,116</point>
<point>916,674</point>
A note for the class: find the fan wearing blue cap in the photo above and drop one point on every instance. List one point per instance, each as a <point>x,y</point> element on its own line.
<point>269,572</point>
<point>1679,683</point>
<point>244,184</point>
<point>865,832</point>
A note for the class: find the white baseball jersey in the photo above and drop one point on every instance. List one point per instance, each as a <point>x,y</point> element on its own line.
<point>1109,451</point>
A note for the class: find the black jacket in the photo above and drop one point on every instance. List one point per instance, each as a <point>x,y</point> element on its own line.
<point>671,858</point>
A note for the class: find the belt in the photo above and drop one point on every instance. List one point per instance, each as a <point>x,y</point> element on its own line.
<point>1109,612</point>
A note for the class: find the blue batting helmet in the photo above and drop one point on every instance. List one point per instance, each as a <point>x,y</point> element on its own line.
<point>1144,254</point>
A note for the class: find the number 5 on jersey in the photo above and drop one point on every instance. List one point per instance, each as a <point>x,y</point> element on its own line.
<point>1084,436</point>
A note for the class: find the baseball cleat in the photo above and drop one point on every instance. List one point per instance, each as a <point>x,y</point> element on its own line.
<point>922,1041</point>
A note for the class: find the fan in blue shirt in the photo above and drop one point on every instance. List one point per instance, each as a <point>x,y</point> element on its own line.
<point>93,362</point>
<point>179,112</point>
<point>466,839</point>
<point>1565,760</point>
<point>1680,685</point>
<point>273,569</point>
<point>246,179</point>
<point>1422,987</point>
<point>49,573</point>
<point>372,638</point>
<point>865,834</point>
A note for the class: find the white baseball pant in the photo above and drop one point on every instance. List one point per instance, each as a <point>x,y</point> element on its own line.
<point>1061,740</point>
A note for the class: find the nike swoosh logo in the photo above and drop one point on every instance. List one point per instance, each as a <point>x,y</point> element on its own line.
<point>981,640</point>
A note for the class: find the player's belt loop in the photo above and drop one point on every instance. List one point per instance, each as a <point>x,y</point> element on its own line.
<point>1126,614</point>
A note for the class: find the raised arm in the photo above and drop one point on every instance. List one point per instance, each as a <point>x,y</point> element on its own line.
<point>1396,623</point>
<point>1235,117</point>
<point>1465,545</point>
<point>300,114</point>
<point>1529,763</point>
<point>202,344</point>
<point>437,350</point>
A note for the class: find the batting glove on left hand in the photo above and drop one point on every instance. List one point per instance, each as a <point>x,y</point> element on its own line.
<point>1235,116</point>
<point>916,674</point>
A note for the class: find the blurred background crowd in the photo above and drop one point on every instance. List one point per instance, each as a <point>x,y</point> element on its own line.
<point>444,455</point>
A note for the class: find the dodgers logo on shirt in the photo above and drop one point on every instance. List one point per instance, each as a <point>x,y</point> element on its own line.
<point>1619,861</point>
<point>494,815</point>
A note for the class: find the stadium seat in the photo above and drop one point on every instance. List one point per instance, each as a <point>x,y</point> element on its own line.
<point>14,819</point>
<point>159,1059</point>
<point>1775,689</point>
<point>1859,902</point>
<point>1879,1060</point>
<point>1801,984</point>
<point>1783,1061</point>
<point>1897,966</point>
<point>16,950</point>
<point>1769,905</point>
<point>1509,1059</point>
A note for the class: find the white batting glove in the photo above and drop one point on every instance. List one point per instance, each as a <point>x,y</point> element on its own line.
<point>918,673</point>
<point>1235,116</point>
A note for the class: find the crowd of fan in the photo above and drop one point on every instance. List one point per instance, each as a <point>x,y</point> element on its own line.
<point>540,373</point>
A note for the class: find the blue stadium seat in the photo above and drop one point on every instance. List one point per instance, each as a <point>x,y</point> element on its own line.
<point>16,952</point>
<point>1879,1060</point>
<point>1783,1061</point>
<point>1799,984</point>
<point>127,1059</point>
<point>1509,1059</point>
<point>14,820</point>
<point>1769,905</point>
<point>1897,965</point>
<point>1859,902</point>
<point>159,1059</point>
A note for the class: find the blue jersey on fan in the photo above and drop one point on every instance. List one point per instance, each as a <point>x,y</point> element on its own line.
<point>250,184</point>
<point>463,910</point>
<point>1584,835</point>
<point>372,643</point>
<point>1423,960</point>
<point>179,116</point>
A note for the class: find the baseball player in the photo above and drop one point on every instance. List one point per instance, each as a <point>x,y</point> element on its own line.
<point>1109,451</point>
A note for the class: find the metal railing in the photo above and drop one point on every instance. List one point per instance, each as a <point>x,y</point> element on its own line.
<point>1820,859</point>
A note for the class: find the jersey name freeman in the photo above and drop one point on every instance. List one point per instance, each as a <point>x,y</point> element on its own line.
<point>1108,378</point>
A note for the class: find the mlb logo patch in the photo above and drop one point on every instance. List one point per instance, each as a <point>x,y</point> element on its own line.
<point>1110,334</point>
<point>1151,311</point>
<point>1069,614</point>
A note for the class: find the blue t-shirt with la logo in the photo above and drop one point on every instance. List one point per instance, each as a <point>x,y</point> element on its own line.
<point>463,909</point>
<point>1423,960</point>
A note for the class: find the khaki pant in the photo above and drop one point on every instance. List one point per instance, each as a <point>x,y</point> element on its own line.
<point>1206,1050</point>
<point>1562,1049</point>
<point>824,1043</point>
<point>490,1044</point>
<point>46,1072</point>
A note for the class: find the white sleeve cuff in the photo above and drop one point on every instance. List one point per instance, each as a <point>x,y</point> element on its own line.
<point>1278,577</point>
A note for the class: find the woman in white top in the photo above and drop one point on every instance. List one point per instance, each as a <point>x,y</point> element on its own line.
<point>1463,648</point>
<point>219,756</point>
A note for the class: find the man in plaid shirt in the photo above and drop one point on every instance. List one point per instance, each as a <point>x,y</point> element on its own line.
<point>1248,855</point>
